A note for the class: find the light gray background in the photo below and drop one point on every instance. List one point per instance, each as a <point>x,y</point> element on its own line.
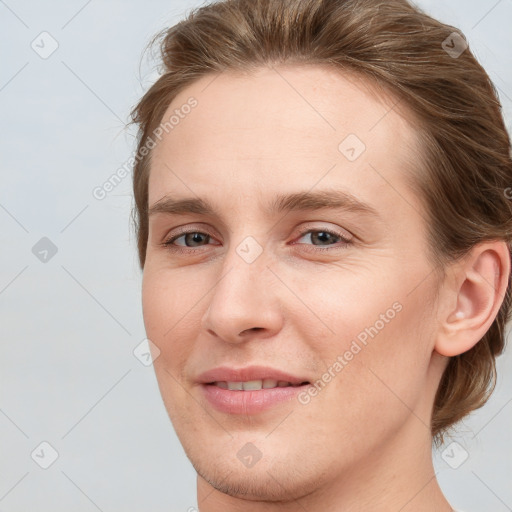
<point>68,326</point>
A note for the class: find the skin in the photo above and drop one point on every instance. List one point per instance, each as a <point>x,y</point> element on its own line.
<point>364,442</point>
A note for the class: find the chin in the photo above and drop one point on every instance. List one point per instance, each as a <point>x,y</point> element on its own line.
<point>273,480</point>
<point>263,486</point>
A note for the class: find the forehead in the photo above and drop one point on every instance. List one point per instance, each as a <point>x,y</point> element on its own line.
<point>280,129</point>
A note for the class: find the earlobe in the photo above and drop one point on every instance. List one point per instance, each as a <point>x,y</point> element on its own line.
<point>481,280</point>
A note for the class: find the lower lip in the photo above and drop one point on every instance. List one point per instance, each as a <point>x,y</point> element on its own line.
<point>249,402</point>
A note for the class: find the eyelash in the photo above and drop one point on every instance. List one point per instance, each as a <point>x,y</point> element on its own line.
<point>181,249</point>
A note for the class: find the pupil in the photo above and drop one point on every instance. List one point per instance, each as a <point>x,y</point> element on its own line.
<point>323,236</point>
<point>193,238</point>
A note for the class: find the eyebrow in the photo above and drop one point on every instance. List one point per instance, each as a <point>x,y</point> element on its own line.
<point>309,201</point>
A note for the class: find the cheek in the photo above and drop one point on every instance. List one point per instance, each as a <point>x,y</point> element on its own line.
<point>167,313</point>
<point>374,342</point>
<point>156,301</point>
<point>339,306</point>
<point>387,378</point>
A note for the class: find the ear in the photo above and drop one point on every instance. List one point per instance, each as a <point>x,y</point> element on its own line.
<point>474,298</point>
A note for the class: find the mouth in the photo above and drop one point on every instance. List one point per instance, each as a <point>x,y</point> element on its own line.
<point>250,390</point>
<point>255,385</point>
<point>250,378</point>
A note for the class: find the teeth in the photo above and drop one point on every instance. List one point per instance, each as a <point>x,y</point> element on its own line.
<point>253,385</point>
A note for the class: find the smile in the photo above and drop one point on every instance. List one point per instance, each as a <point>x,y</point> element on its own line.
<point>254,385</point>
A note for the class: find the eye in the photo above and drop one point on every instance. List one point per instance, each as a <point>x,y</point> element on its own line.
<point>326,239</point>
<point>321,239</point>
<point>191,239</point>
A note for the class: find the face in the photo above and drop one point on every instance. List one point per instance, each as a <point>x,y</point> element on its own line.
<point>298,260</point>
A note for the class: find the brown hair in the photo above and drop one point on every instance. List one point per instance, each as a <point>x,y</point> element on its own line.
<point>466,165</point>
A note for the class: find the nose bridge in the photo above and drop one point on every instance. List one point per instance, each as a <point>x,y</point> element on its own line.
<point>242,298</point>
<point>246,257</point>
<point>245,273</point>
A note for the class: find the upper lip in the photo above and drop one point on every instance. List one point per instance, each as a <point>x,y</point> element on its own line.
<point>227,374</point>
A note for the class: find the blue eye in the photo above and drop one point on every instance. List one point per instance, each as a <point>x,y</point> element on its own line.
<point>332,240</point>
<point>325,235</point>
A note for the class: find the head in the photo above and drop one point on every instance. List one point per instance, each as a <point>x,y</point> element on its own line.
<point>391,304</point>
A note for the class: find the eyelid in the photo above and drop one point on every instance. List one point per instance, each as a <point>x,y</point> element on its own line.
<point>169,240</point>
<point>183,230</point>
<point>347,236</point>
<point>343,233</point>
<point>346,240</point>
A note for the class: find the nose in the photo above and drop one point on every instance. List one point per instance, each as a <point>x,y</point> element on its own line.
<point>244,302</point>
